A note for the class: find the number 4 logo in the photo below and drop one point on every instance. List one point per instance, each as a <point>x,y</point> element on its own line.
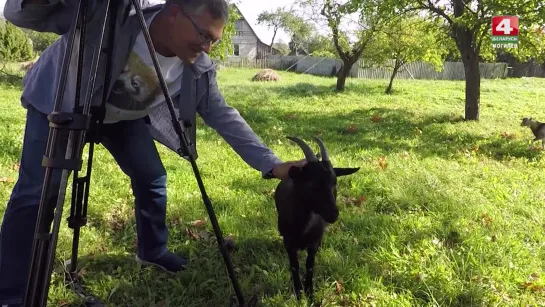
<point>505,26</point>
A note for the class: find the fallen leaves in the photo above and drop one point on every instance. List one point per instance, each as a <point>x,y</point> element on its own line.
<point>376,118</point>
<point>198,223</point>
<point>507,135</point>
<point>190,233</point>
<point>354,201</point>
<point>338,287</point>
<point>196,232</point>
<point>351,129</point>
<point>6,180</point>
<point>382,163</point>
<point>534,283</point>
<point>486,220</point>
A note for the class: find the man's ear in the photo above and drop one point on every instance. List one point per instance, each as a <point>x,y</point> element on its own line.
<point>295,172</point>
<point>343,171</point>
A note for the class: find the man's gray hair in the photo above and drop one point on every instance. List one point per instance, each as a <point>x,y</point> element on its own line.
<point>218,9</point>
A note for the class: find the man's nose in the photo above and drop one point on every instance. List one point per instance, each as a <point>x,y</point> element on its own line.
<point>206,47</point>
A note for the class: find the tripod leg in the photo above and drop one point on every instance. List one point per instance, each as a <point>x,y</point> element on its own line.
<point>69,160</point>
<point>78,211</point>
<point>81,185</point>
<point>181,132</point>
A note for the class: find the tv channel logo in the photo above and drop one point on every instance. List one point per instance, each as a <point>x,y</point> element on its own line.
<point>505,31</point>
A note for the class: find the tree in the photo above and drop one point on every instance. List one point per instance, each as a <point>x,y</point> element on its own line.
<point>225,47</point>
<point>321,46</point>
<point>41,40</point>
<point>282,47</point>
<point>366,17</point>
<point>404,40</point>
<point>469,22</point>
<point>275,20</point>
<point>299,30</point>
<point>296,27</point>
<point>533,48</point>
<point>15,46</point>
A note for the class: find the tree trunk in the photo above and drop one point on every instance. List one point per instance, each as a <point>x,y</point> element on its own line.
<point>394,73</point>
<point>272,41</point>
<point>465,40</point>
<point>343,74</point>
<point>470,58</point>
<point>473,88</point>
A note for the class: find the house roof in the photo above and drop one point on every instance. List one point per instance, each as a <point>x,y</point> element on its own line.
<point>251,28</point>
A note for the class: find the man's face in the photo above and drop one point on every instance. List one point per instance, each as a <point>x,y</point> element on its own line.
<point>192,34</point>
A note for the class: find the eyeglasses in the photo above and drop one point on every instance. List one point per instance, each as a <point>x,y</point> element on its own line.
<point>202,38</point>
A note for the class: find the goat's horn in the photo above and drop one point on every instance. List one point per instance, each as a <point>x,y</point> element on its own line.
<point>309,154</point>
<point>323,149</point>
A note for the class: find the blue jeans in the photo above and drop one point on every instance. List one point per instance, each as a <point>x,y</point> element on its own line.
<point>131,145</point>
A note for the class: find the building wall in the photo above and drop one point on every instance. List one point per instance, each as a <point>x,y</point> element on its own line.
<point>245,41</point>
<point>246,44</point>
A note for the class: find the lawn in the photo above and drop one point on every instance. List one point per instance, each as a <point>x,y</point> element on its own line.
<point>442,212</point>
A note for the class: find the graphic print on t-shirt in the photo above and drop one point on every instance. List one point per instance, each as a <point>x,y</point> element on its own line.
<point>137,92</point>
<point>137,87</point>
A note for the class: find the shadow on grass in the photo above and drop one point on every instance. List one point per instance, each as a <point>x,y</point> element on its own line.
<point>262,265</point>
<point>298,90</point>
<point>387,130</point>
<point>117,280</point>
<point>378,221</point>
<point>10,79</point>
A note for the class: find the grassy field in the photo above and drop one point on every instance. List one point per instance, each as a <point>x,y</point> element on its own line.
<point>443,212</point>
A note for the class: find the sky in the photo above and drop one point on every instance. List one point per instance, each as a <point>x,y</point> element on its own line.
<point>250,9</point>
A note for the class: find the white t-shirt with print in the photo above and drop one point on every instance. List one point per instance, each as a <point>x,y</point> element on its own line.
<point>137,90</point>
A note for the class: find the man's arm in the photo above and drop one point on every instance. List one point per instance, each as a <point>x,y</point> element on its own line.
<point>41,15</point>
<point>228,122</point>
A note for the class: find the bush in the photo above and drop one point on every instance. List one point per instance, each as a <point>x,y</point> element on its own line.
<point>42,40</point>
<point>15,46</point>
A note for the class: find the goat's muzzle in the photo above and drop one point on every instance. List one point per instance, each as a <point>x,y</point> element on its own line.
<point>331,217</point>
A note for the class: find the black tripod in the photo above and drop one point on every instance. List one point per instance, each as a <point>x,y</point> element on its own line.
<point>82,127</point>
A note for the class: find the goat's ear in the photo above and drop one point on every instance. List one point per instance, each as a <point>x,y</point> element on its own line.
<point>343,171</point>
<point>295,171</point>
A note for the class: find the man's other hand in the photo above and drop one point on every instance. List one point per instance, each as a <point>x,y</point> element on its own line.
<point>281,170</point>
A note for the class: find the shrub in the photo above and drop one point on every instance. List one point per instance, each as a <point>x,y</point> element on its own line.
<point>42,40</point>
<point>15,46</point>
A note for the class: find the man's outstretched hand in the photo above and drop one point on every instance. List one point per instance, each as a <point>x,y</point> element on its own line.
<point>281,170</point>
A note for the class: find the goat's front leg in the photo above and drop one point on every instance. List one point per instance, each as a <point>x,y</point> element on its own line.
<point>294,269</point>
<point>311,256</point>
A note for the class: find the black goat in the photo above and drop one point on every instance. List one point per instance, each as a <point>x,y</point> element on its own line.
<point>306,203</point>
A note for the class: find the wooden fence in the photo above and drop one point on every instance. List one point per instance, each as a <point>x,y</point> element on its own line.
<point>419,70</point>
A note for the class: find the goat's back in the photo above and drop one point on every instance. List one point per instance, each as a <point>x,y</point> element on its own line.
<point>539,131</point>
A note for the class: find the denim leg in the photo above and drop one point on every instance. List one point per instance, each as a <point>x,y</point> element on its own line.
<point>18,226</point>
<point>133,147</point>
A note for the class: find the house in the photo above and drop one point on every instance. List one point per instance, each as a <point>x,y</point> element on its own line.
<point>246,43</point>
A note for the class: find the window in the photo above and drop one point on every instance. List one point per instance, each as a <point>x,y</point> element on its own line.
<point>236,50</point>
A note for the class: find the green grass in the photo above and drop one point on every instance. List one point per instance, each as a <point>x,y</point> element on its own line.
<point>442,212</point>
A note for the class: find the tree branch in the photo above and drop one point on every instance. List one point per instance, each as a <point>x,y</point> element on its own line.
<point>334,25</point>
<point>431,7</point>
